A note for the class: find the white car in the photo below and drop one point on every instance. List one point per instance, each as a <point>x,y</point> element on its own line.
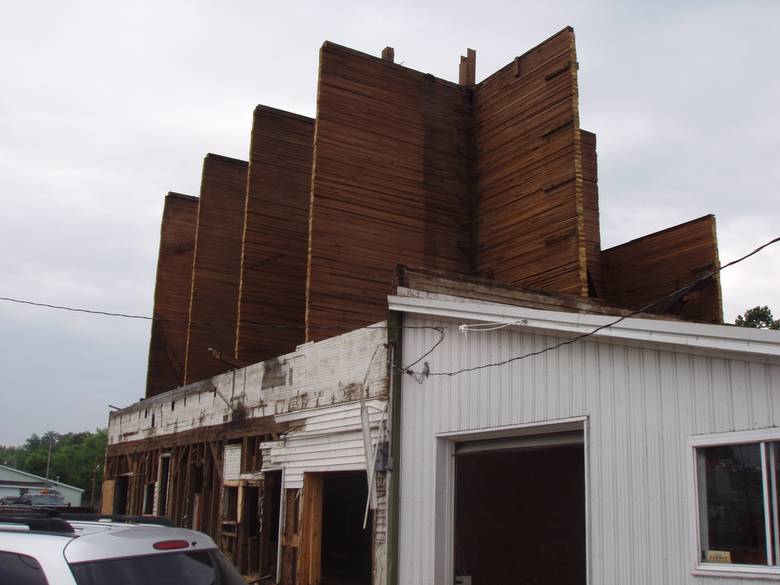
<point>41,548</point>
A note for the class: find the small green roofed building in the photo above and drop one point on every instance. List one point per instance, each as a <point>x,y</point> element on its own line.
<point>14,482</point>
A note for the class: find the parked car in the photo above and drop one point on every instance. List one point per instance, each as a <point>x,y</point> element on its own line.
<point>44,546</point>
<point>44,498</point>
<point>9,500</point>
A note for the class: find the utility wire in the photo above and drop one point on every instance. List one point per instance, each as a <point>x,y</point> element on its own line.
<point>75,309</point>
<point>678,293</point>
<point>408,369</point>
<point>209,323</point>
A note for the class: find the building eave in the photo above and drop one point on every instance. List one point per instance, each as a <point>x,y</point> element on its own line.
<point>720,340</point>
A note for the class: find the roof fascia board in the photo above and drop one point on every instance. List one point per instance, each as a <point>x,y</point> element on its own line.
<point>658,334</point>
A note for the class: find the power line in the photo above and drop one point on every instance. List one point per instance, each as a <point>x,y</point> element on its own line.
<point>76,309</point>
<point>440,330</point>
<point>678,293</point>
<point>209,323</point>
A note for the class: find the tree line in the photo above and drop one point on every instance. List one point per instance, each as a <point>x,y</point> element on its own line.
<point>76,458</point>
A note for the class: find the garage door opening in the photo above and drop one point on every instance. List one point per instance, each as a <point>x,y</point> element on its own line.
<point>346,546</point>
<point>520,511</point>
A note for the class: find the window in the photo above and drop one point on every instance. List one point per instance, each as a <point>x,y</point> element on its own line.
<point>738,488</point>
<point>20,570</point>
<point>193,568</point>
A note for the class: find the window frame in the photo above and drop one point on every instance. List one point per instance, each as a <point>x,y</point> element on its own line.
<point>703,568</point>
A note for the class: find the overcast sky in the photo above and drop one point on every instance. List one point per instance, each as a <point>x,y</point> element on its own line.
<point>105,106</point>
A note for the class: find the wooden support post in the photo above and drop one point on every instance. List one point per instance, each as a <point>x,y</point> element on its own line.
<point>471,66</point>
<point>217,460</point>
<point>516,67</point>
<point>388,54</point>
<point>310,560</point>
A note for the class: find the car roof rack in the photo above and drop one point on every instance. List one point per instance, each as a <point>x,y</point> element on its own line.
<point>35,520</point>
<point>91,517</point>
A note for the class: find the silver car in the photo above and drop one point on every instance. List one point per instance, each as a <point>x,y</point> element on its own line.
<point>45,549</point>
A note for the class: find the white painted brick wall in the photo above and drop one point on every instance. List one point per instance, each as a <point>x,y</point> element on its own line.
<point>328,372</point>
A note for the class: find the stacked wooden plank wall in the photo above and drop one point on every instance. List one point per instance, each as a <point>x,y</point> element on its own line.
<point>168,341</point>
<point>217,266</point>
<point>530,175</point>
<point>648,268</point>
<point>275,240</point>
<point>389,185</point>
<point>590,210</point>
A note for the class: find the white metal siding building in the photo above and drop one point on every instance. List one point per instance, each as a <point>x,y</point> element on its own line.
<point>644,393</point>
<point>14,482</point>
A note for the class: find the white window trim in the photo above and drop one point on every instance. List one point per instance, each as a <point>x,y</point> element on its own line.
<point>724,570</point>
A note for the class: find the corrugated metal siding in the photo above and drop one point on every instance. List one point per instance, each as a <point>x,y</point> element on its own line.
<point>642,406</point>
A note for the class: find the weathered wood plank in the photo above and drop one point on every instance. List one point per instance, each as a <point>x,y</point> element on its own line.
<point>168,341</point>
<point>648,268</point>
<point>590,203</point>
<point>389,185</point>
<point>529,171</point>
<point>216,266</point>
<point>272,289</point>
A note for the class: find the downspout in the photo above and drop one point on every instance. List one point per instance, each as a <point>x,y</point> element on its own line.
<point>395,339</point>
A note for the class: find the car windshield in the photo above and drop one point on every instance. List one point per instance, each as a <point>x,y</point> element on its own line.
<point>192,568</point>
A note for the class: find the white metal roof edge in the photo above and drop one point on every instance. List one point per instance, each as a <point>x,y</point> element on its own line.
<point>691,336</point>
<point>28,474</point>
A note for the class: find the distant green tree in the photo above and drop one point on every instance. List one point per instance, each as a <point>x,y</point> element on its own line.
<point>75,458</point>
<point>758,318</point>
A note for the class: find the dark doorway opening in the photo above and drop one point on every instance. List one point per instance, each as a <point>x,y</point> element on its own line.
<point>165,471</point>
<point>346,545</point>
<point>250,532</point>
<point>120,494</point>
<point>520,513</point>
<point>270,506</point>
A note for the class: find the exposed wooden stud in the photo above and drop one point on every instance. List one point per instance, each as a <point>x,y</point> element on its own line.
<point>388,54</point>
<point>309,564</point>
